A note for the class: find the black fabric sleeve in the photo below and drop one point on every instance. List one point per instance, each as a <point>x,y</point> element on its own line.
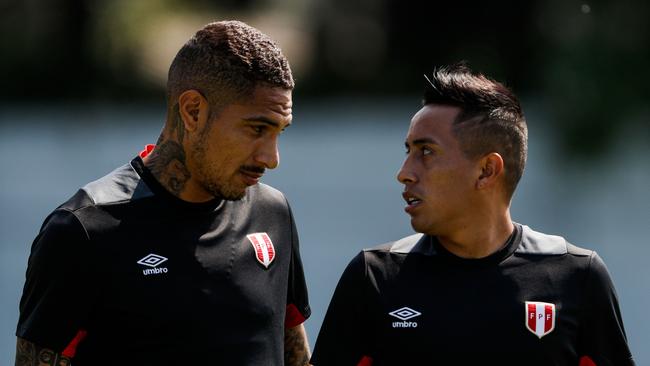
<point>57,293</point>
<point>344,336</point>
<point>298,309</point>
<point>602,336</point>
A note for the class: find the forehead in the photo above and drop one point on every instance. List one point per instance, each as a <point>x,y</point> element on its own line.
<point>433,122</point>
<point>273,97</point>
<point>272,102</point>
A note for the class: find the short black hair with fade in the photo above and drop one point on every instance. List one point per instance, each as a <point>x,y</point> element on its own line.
<point>225,61</point>
<point>491,118</point>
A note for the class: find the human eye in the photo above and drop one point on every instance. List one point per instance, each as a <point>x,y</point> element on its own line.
<point>258,129</point>
<point>427,151</point>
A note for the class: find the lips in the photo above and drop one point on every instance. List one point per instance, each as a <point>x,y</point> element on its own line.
<point>412,201</point>
<point>251,177</point>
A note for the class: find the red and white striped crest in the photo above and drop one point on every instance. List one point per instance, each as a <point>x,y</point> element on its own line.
<point>264,250</point>
<point>540,317</point>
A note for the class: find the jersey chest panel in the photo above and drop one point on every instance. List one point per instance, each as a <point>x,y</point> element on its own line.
<point>162,278</point>
<point>467,311</point>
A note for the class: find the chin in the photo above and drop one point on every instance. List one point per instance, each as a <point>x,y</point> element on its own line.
<point>233,196</point>
<point>417,226</point>
<point>228,194</point>
<point>421,227</point>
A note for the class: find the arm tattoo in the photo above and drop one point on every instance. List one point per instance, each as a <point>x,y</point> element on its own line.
<point>29,354</point>
<point>296,350</point>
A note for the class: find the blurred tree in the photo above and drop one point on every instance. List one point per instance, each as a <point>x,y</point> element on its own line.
<point>587,60</point>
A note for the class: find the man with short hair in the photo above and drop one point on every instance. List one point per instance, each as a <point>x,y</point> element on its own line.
<point>181,257</point>
<point>473,288</point>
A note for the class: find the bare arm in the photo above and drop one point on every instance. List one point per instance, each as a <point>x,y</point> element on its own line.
<point>29,354</point>
<point>296,348</point>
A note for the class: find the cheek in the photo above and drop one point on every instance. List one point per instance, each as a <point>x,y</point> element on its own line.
<point>447,182</point>
<point>232,149</point>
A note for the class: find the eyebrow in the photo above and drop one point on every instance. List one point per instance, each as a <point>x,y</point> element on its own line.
<point>265,120</point>
<point>421,141</point>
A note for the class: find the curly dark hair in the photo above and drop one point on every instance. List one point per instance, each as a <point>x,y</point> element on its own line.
<point>225,61</point>
<point>491,119</point>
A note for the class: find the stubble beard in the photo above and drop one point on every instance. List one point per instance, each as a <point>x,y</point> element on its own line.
<point>220,189</point>
<point>210,180</point>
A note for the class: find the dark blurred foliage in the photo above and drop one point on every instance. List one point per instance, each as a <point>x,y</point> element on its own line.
<point>46,49</point>
<point>587,61</point>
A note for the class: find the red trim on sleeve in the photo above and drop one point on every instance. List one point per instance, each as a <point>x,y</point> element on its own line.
<point>293,317</point>
<point>71,349</point>
<point>147,150</point>
<point>365,361</point>
<point>586,361</point>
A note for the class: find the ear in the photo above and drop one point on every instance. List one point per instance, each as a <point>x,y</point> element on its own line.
<point>491,169</point>
<point>193,109</point>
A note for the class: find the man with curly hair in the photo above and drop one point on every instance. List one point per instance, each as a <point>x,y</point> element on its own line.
<point>181,256</point>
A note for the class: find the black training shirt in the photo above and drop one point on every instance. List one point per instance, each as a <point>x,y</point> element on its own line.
<point>127,273</point>
<point>538,301</point>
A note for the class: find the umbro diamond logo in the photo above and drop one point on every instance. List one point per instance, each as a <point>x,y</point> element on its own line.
<point>153,260</point>
<point>405,314</point>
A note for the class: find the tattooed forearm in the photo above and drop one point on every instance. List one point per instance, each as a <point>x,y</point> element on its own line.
<point>296,349</point>
<point>29,354</point>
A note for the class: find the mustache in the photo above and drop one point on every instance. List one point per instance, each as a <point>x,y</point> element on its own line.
<point>253,169</point>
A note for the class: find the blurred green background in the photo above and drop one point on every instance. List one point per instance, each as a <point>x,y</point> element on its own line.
<point>83,90</point>
<point>587,60</point>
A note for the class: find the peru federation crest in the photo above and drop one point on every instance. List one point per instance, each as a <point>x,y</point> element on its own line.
<point>264,250</point>
<point>540,317</point>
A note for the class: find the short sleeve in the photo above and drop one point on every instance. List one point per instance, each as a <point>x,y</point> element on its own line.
<point>602,337</point>
<point>344,335</point>
<point>298,309</point>
<point>57,293</point>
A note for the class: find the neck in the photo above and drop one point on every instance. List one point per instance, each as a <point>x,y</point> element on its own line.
<point>169,164</point>
<point>479,239</point>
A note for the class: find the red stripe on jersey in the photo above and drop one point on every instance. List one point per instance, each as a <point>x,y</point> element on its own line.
<point>293,317</point>
<point>532,317</point>
<point>147,150</point>
<point>548,320</point>
<point>365,361</point>
<point>71,349</point>
<point>586,361</point>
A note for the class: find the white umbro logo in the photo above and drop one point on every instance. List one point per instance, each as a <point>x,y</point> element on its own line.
<point>153,260</point>
<point>405,314</point>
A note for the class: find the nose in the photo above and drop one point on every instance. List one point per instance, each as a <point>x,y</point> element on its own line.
<point>405,175</point>
<point>268,154</point>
